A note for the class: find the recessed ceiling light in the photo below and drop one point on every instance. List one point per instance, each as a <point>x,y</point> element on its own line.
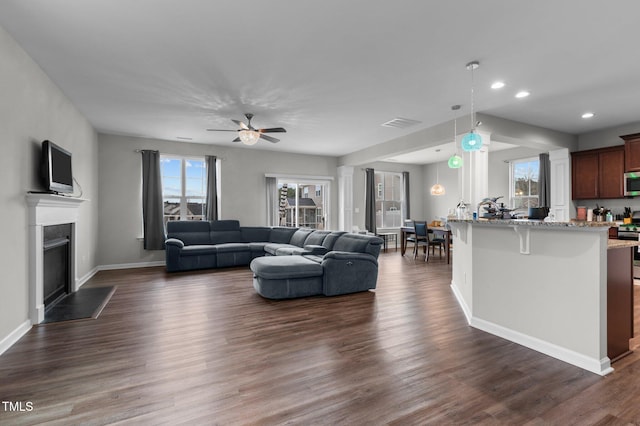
<point>184,138</point>
<point>588,115</point>
<point>522,94</point>
<point>497,85</point>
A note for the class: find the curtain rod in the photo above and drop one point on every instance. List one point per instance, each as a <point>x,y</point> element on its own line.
<point>138,150</point>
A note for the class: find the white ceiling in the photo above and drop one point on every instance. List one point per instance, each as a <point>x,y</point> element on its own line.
<point>331,72</point>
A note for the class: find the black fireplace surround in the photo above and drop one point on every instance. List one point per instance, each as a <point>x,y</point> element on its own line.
<point>56,263</point>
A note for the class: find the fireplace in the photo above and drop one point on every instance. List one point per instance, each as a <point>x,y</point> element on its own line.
<point>56,270</point>
<point>52,241</point>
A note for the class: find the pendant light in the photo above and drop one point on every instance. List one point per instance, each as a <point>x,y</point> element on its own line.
<point>455,161</point>
<point>437,189</point>
<point>472,141</point>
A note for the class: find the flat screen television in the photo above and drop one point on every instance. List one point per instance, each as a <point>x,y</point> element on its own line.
<point>57,176</point>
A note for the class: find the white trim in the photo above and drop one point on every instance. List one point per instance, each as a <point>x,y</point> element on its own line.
<point>461,302</point>
<point>298,177</point>
<point>46,210</point>
<point>601,367</point>
<point>130,265</point>
<point>83,280</point>
<point>14,336</point>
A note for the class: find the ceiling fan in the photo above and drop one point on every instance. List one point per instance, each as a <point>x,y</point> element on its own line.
<point>249,135</point>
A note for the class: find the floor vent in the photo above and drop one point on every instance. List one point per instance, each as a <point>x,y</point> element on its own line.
<point>401,123</point>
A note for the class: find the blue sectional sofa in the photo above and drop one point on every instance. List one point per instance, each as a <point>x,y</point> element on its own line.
<point>286,262</point>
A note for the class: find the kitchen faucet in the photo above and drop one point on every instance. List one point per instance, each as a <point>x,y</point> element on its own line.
<point>492,203</point>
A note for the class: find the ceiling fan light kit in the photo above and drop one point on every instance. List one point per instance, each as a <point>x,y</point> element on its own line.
<point>472,141</point>
<point>249,135</point>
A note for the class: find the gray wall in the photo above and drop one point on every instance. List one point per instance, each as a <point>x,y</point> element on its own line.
<point>437,206</point>
<point>606,137</point>
<point>33,109</point>
<point>242,179</point>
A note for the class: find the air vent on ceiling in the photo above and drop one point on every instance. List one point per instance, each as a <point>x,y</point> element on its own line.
<point>401,123</point>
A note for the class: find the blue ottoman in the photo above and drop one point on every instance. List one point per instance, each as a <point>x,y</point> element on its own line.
<point>286,277</point>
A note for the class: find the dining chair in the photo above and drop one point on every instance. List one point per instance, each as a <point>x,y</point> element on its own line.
<point>434,241</point>
<point>420,238</point>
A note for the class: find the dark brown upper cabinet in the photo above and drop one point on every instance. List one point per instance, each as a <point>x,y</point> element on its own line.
<point>598,173</point>
<point>631,152</point>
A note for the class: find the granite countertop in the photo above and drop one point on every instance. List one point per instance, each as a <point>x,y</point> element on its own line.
<point>615,244</point>
<point>536,223</point>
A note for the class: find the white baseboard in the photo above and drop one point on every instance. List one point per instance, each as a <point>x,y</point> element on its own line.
<point>14,336</point>
<point>461,302</point>
<point>80,282</point>
<point>130,265</point>
<point>594,365</point>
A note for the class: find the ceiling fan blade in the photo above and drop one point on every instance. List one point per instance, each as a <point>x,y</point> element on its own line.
<point>269,138</point>
<point>273,130</point>
<point>220,130</point>
<point>236,140</point>
<point>241,124</point>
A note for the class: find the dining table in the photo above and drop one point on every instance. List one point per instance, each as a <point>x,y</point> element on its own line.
<point>439,231</point>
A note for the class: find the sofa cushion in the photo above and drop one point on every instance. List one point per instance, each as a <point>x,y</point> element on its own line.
<point>314,257</point>
<point>282,235</point>
<point>285,267</point>
<point>198,250</point>
<point>300,236</point>
<point>222,237</point>
<point>189,231</point>
<point>225,225</point>
<point>316,238</point>
<point>290,251</point>
<point>252,234</point>
<point>358,244</point>
<point>331,239</point>
<point>272,248</point>
<point>225,231</point>
<point>231,247</point>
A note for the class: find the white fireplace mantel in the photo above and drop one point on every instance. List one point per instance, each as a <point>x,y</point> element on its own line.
<point>46,210</point>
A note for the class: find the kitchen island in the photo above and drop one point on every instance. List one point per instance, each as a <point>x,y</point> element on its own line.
<point>543,285</point>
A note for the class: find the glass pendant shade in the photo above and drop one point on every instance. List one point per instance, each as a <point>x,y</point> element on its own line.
<point>437,189</point>
<point>471,141</point>
<point>455,161</point>
<point>249,137</point>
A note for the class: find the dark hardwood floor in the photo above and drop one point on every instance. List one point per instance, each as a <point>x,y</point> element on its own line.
<point>204,348</point>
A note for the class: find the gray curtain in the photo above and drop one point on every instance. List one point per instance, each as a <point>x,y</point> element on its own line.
<point>370,201</point>
<point>272,201</point>
<point>152,207</point>
<point>406,208</point>
<point>211,206</point>
<point>544,181</point>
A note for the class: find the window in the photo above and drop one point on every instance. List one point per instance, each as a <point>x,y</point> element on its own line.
<point>184,187</point>
<point>524,183</point>
<point>305,203</point>
<point>388,199</point>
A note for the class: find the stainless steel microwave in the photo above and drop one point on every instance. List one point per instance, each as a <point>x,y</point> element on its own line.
<point>632,184</point>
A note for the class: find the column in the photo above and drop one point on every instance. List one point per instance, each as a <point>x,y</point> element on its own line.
<point>345,198</point>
